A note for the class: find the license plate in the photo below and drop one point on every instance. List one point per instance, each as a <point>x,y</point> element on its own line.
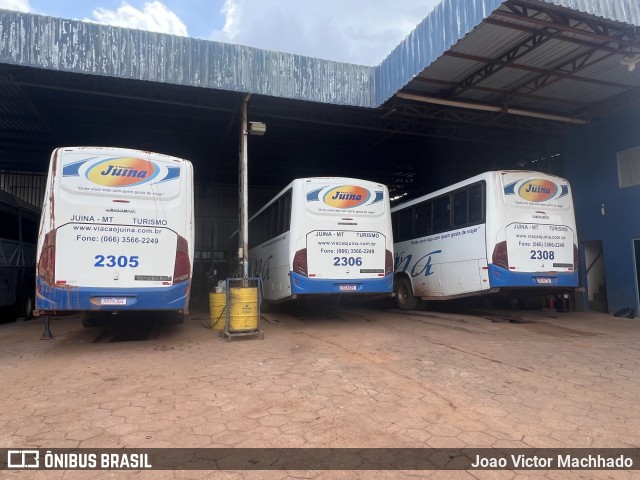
<point>347,288</point>
<point>543,280</point>
<point>113,301</point>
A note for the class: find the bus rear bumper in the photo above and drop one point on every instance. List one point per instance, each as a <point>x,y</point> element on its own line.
<point>50,299</point>
<point>301,285</point>
<point>502,278</point>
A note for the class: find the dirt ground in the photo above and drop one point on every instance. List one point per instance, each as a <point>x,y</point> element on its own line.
<point>355,376</point>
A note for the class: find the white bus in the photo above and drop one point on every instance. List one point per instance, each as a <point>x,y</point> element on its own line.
<point>507,231</point>
<point>323,236</point>
<point>116,232</point>
<point>18,236</point>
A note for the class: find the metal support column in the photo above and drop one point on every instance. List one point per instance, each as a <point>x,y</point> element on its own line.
<point>243,238</point>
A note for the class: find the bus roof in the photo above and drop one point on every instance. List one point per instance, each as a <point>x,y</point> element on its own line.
<point>467,181</point>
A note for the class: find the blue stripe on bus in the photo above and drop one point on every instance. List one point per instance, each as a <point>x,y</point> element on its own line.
<point>565,191</point>
<point>314,196</point>
<point>379,197</point>
<point>301,285</point>
<point>501,278</point>
<point>73,169</point>
<point>172,173</point>
<point>510,189</point>
<point>57,299</point>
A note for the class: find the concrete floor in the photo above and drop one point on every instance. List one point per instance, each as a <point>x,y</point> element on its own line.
<point>353,377</point>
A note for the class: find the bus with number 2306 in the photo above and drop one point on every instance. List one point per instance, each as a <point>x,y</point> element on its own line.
<point>323,236</point>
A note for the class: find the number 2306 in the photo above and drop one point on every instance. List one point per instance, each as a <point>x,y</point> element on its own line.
<point>113,261</point>
<point>347,261</point>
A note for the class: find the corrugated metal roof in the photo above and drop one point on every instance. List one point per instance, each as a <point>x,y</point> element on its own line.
<point>497,73</point>
<point>453,20</point>
<point>448,23</point>
<point>625,11</point>
<point>89,48</point>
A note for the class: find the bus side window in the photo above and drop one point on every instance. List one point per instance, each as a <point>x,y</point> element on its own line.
<point>441,214</point>
<point>405,224</point>
<point>423,220</point>
<point>476,204</point>
<point>273,220</point>
<point>460,208</point>
<point>285,210</point>
<point>394,225</point>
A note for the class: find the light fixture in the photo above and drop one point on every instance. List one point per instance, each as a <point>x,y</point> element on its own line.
<point>602,209</point>
<point>489,108</point>
<point>630,61</point>
<point>257,128</point>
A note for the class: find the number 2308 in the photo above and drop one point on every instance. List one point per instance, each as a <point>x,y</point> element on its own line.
<point>113,261</point>
<point>542,255</point>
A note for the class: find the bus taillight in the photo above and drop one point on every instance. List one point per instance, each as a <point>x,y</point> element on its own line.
<point>500,256</point>
<point>300,262</point>
<point>182,268</point>
<point>47,260</point>
<point>388,262</point>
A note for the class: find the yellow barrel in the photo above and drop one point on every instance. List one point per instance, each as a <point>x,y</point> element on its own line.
<point>243,309</point>
<point>217,302</point>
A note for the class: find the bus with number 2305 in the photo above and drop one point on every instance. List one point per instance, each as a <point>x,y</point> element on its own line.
<point>116,232</point>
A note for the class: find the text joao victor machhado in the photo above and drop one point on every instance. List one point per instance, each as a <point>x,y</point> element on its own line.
<point>553,461</point>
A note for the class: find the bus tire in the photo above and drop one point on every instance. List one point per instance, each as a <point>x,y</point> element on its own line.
<point>174,318</point>
<point>27,308</point>
<point>94,319</point>
<point>88,320</point>
<point>405,299</point>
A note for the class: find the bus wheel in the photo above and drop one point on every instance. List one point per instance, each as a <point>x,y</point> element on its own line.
<point>27,308</point>
<point>174,318</point>
<point>404,295</point>
<point>88,320</point>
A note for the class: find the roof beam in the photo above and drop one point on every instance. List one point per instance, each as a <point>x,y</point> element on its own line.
<point>490,108</point>
<point>492,66</point>
<point>549,72</point>
<point>501,93</point>
<point>598,30</point>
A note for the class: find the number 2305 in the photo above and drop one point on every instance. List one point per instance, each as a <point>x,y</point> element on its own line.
<point>113,261</point>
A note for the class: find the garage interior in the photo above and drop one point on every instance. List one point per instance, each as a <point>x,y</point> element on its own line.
<point>510,94</point>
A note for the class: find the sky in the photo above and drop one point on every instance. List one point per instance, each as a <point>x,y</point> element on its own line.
<point>355,31</point>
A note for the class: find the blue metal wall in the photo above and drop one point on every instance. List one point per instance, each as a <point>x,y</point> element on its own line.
<point>591,167</point>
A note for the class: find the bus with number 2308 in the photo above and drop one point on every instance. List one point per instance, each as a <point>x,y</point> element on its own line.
<point>503,231</point>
